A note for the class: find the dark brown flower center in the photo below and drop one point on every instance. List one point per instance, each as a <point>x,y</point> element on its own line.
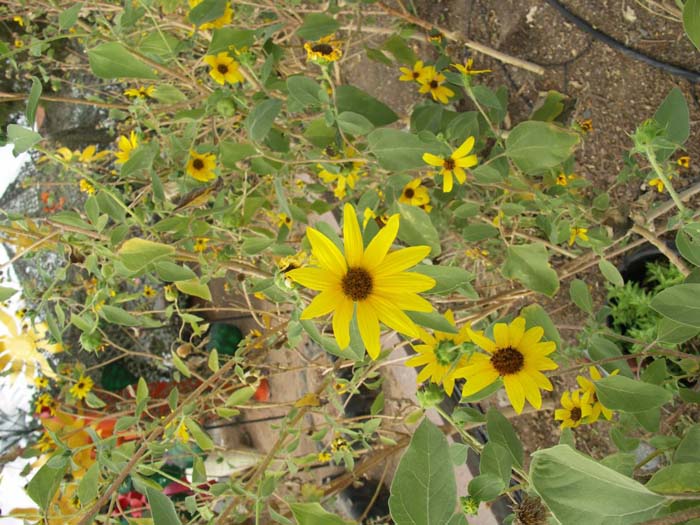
<point>409,193</point>
<point>434,84</point>
<point>222,68</point>
<point>507,361</point>
<point>198,164</point>
<point>416,74</point>
<point>448,163</point>
<point>575,414</point>
<point>324,49</point>
<point>81,385</point>
<point>357,284</point>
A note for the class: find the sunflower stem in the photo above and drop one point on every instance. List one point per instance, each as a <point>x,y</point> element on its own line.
<point>661,175</point>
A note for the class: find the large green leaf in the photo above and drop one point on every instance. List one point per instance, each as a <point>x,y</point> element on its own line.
<point>417,229</point>
<point>579,490</point>
<point>33,100</point>
<point>314,514</point>
<point>676,478</point>
<point>42,487</point>
<point>674,116</point>
<point>316,26</point>
<point>424,491</point>
<point>23,138</point>
<point>396,150</point>
<point>680,303</point>
<point>137,253</point>
<point>538,146</point>
<point>224,38</point>
<point>350,98</point>
<point>260,119</point>
<point>627,395</point>
<point>581,296</point>
<point>691,21</point>
<point>688,450</point>
<point>529,264</point>
<point>502,432</point>
<point>206,11</point>
<point>304,90</point>
<point>535,315</point>
<point>162,508</point>
<point>688,242</point>
<point>113,60</point>
<point>600,348</point>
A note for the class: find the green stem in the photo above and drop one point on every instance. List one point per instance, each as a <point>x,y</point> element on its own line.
<point>661,175</point>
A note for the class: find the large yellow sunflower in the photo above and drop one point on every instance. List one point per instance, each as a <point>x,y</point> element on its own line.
<point>201,167</point>
<point>371,279</point>
<point>325,50</point>
<point>431,82</point>
<point>588,387</point>
<point>517,356</point>
<point>453,164</point>
<point>441,354</point>
<point>575,409</point>
<point>224,68</point>
<point>126,146</point>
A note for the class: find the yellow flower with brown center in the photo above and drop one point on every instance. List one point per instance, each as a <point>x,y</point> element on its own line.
<point>414,194</point>
<point>563,179</point>
<point>323,51</point>
<point>41,382</point>
<point>86,187</point>
<point>339,444</point>
<point>578,233</point>
<point>588,388</point>
<point>224,68</point>
<point>201,167</point>
<point>284,220</point>
<point>45,403</point>
<point>416,74</point>
<point>220,22</point>
<point>200,244</point>
<point>126,146</point>
<point>658,184</point>
<point>517,357</point>
<point>468,68</point>
<point>585,125</point>
<point>575,409</point>
<point>292,262</point>
<point>81,389</point>
<point>441,355</point>
<point>45,443</point>
<point>432,83</point>
<point>371,280</point>
<point>324,457</point>
<point>454,164</point>
<point>684,161</point>
<point>149,292</point>
<point>140,92</point>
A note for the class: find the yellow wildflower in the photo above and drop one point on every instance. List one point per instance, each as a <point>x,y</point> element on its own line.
<point>432,83</point>
<point>201,167</point>
<point>82,387</point>
<point>323,51</point>
<point>224,68</point>
<point>684,161</point>
<point>140,92</point>
<point>86,187</point>
<point>454,164</point>
<point>149,292</point>
<point>284,220</point>
<point>468,68</point>
<point>578,233</point>
<point>414,194</point>
<point>41,382</point>
<point>200,244</point>
<point>324,457</point>
<point>417,74</point>
<point>589,389</point>
<point>126,146</point>
<point>19,20</point>
<point>20,349</point>
<point>575,409</point>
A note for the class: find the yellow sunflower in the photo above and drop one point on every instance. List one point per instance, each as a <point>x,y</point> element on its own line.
<point>441,354</point>
<point>20,349</point>
<point>432,83</point>
<point>41,382</point>
<point>140,92</point>
<point>325,50</point>
<point>453,164</point>
<point>126,147</point>
<point>224,68</point>
<point>578,233</point>
<point>575,409</point>
<point>371,279</point>
<point>684,161</point>
<point>517,356</point>
<point>200,244</point>
<point>222,21</point>
<point>149,292</point>
<point>86,187</point>
<point>588,388</point>
<point>80,389</point>
<point>45,403</point>
<point>658,184</point>
<point>417,74</point>
<point>89,154</point>
<point>201,167</point>
<point>468,68</point>
<point>414,194</point>
<point>284,220</point>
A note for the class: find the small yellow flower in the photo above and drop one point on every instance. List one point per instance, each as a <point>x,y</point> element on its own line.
<point>589,390</point>
<point>564,179</point>
<point>338,444</point>
<point>65,154</point>
<point>454,164</point>
<point>417,74</point>
<point>586,125</point>
<point>149,292</point>
<point>580,233</point>
<point>220,22</point>
<point>46,403</point>
<point>88,155</point>
<point>21,313</point>
<point>324,457</point>
<point>45,443</point>
<point>367,216</point>
<point>292,262</point>
<point>82,387</point>
<point>41,382</point>
<point>323,51</point>
<point>468,68</point>
<point>181,433</point>
<point>658,184</point>
<point>684,161</point>
<point>224,68</point>
<point>200,244</point>
<point>86,187</point>
<point>435,37</point>
<point>18,43</point>
<point>476,253</point>
<point>19,20</point>
<point>284,220</point>
<point>575,409</point>
<point>126,146</point>
<point>201,167</point>
<point>414,194</point>
<point>140,92</point>
<point>496,221</point>
<point>432,83</point>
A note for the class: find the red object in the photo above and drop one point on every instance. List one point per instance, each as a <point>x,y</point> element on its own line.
<point>132,504</point>
<point>263,391</point>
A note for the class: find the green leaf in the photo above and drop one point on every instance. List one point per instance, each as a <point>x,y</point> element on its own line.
<point>581,296</point>
<point>228,38</point>
<point>259,121</point>
<point>674,116</point>
<point>398,47</point>
<point>579,490</point>
<point>691,21</point>
<point>603,348</point>
<point>136,254</point>
<point>529,264</point>
<point>113,60</point>
<point>89,485</point>
<point>432,320</point>
<point>550,108</point>
<point>688,450</point>
<point>688,242</point>
<point>314,514</point>
<point>610,272</point>
<point>168,94</point>
<point>207,11</point>
<point>195,288</point>
<point>416,228</point>
<point>485,487</point>
<point>396,150</point>
<point>6,293</point>
<point>447,278</point>
<point>354,124</point>
<point>304,90</point>
<point>116,315</point>
<point>33,101</point>
<point>240,396</point>
<point>201,438</point>
<point>502,433</point>
<point>535,315</point>
<point>22,138</point>
<point>680,303</point>
<point>169,271</point>
<point>627,395</point>
<point>162,508</point>
<point>42,487</point>
<point>424,490</point>
<point>538,146</point>
<point>677,478</point>
<point>621,462</point>
<point>68,18</point>
<point>458,453</point>
<point>232,152</point>
<point>213,360</point>
<point>316,26</point>
<point>496,461</point>
<point>256,245</point>
<point>350,98</point>
<point>180,365</point>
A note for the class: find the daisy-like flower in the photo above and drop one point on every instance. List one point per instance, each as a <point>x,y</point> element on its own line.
<point>200,244</point>
<point>454,164</point>
<point>575,409</point>
<point>284,220</point>
<point>589,390</point>
<point>65,153</point>
<point>414,194</point>
<point>468,68</point>
<point>45,405</point>
<point>201,167</point>
<point>585,125</point>
<point>342,181</point>
<point>222,21</point>
<point>292,262</point>
<point>45,443</point>
<point>89,154</point>
<point>81,389</point>
<point>149,292</point>
<point>182,435</point>
<point>578,233</point>
<point>140,92</point>
<point>517,356</point>
<point>432,83</point>
<point>323,51</point>
<point>684,161</point>
<point>441,355</point>
<point>20,349</point>
<point>41,382</point>
<point>658,184</point>
<point>564,179</point>
<point>371,279</point>
<point>224,68</point>
<point>86,187</point>
<point>339,444</point>
<point>417,74</point>
<point>324,457</point>
<point>126,146</point>
<point>19,20</point>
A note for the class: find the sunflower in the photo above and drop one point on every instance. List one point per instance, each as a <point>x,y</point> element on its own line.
<point>41,382</point>
<point>417,74</point>
<point>576,409</point>
<point>432,83</point>
<point>468,68</point>
<point>324,50</point>
<point>82,387</point>
<point>200,244</point>
<point>86,187</point>
<point>284,220</point>
<point>224,68</point>
<point>441,354</point>
<point>371,278</point>
<point>149,292</point>
<point>201,167</point>
<point>453,164</point>
<point>220,22</point>
<point>45,405</point>
<point>580,233</point>
<point>658,184</point>
<point>126,147</point>
<point>414,194</point>
<point>684,161</point>
<point>140,92</point>
<point>88,155</point>
<point>324,457</point>
<point>20,349</point>
<point>588,388</point>
<point>517,356</point>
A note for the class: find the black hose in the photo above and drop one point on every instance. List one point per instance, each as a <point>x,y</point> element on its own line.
<point>691,76</point>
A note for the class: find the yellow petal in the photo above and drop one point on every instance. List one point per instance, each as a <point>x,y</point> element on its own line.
<point>532,393</point>
<point>404,282</point>
<point>467,162</point>
<point>327,253</point>
<point>446,181</point>
<point>482,341</point>
<point>401,260</point>
<point>561,414</point>
<point>341,322</point>
<point>368,324</point>
<point>391,316</point>
<point>406,301</point>
<point>314,278</point>
<point>530,338</point>
<point>501,335</point>
<point>324,303</point>
<point>464,149</point>
<point>516,331</point>
<point>478,382</point>
<point>566,400</point>
<point>419,360</point>
<point>515,392</point>
<point>433,160</point>
<point>379,246</point>
<point>460,174</point>
<point>352,237</point>
<point>541,380</point>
